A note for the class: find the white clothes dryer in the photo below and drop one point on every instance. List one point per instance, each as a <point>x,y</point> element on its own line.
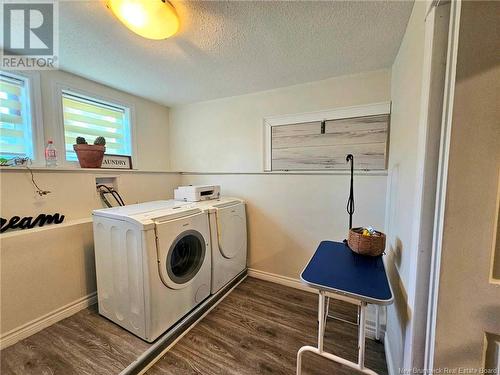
<point>228,233</point>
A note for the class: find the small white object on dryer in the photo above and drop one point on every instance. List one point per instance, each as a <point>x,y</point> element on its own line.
<point>196,193</point>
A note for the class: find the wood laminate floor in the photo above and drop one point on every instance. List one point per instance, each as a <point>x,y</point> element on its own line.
<point>84,343</point>
<point>257,329</point>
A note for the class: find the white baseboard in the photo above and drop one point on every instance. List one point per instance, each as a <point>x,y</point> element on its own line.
<point>36,325</point>
<point>282,280</point>
<point>297,284</point>
<point>388,358</point>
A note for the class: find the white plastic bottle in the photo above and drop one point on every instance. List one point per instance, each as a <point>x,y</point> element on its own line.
<point>50,154</point>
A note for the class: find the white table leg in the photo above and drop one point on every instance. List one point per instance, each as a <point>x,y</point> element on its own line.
<point>361,337</point>
<point>321,318</point>
<point>360,366</point>
<point>377,322</point>
<point>327,309</point>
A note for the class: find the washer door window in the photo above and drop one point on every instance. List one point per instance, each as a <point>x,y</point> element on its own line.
<point>185,257</point>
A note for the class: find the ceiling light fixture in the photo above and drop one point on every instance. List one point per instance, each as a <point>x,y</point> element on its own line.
<point>152,19</point>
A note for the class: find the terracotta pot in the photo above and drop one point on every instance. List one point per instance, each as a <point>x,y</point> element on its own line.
<point>89,156</point>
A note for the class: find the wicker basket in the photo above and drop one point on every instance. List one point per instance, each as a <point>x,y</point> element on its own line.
<point>373,245</point>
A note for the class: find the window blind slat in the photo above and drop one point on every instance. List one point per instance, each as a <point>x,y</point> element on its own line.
<point>12,149</point>
<point>9,125</point>
<point>89,138</point>
<point>89,108</point>
<point>13,119</point>
<point>11,133</point>
<point>109,150</point>
<point>10,104</point>
<point>11,89</point>
<point>109,143</point>
<point>83,131</point>
<point>76,118</point>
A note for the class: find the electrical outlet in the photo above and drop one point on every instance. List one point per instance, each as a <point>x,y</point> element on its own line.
<point>109,181</point>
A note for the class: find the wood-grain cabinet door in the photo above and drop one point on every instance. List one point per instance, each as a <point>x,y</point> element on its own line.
<point>322,145</point>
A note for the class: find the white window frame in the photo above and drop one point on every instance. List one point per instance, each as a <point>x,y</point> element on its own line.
<point>129,109</point>
<point>332,114</point>
<point>33,113</point>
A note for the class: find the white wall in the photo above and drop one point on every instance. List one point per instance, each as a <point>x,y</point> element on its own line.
<point>48,269</point>
<point>404,187</point>
<point>288,214</point>
<point>73,193</point>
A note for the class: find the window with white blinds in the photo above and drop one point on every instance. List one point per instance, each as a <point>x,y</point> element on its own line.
<point>16,138</point>
<point>90,118</point>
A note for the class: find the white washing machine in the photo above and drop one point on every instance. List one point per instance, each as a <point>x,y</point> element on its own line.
<point>228,233</point>
<point>153,264</point>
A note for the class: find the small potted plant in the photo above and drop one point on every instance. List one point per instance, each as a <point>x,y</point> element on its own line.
<point>90,156</point>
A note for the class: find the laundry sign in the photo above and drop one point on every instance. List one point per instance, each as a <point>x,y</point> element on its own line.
<point>116,161</point>
<point>16,222</point>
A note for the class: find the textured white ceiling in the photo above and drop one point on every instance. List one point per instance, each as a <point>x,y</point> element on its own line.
<point>231,48</point>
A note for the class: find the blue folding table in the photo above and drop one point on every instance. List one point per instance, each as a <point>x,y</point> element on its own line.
<point>337,271</point>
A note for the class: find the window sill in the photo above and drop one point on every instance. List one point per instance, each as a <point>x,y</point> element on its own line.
<point>80,170</point>
<point>38,169</point>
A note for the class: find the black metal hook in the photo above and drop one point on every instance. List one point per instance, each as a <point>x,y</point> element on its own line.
<point>350,201</point>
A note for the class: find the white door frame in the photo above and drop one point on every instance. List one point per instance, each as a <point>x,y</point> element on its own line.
<point>451,65</point>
